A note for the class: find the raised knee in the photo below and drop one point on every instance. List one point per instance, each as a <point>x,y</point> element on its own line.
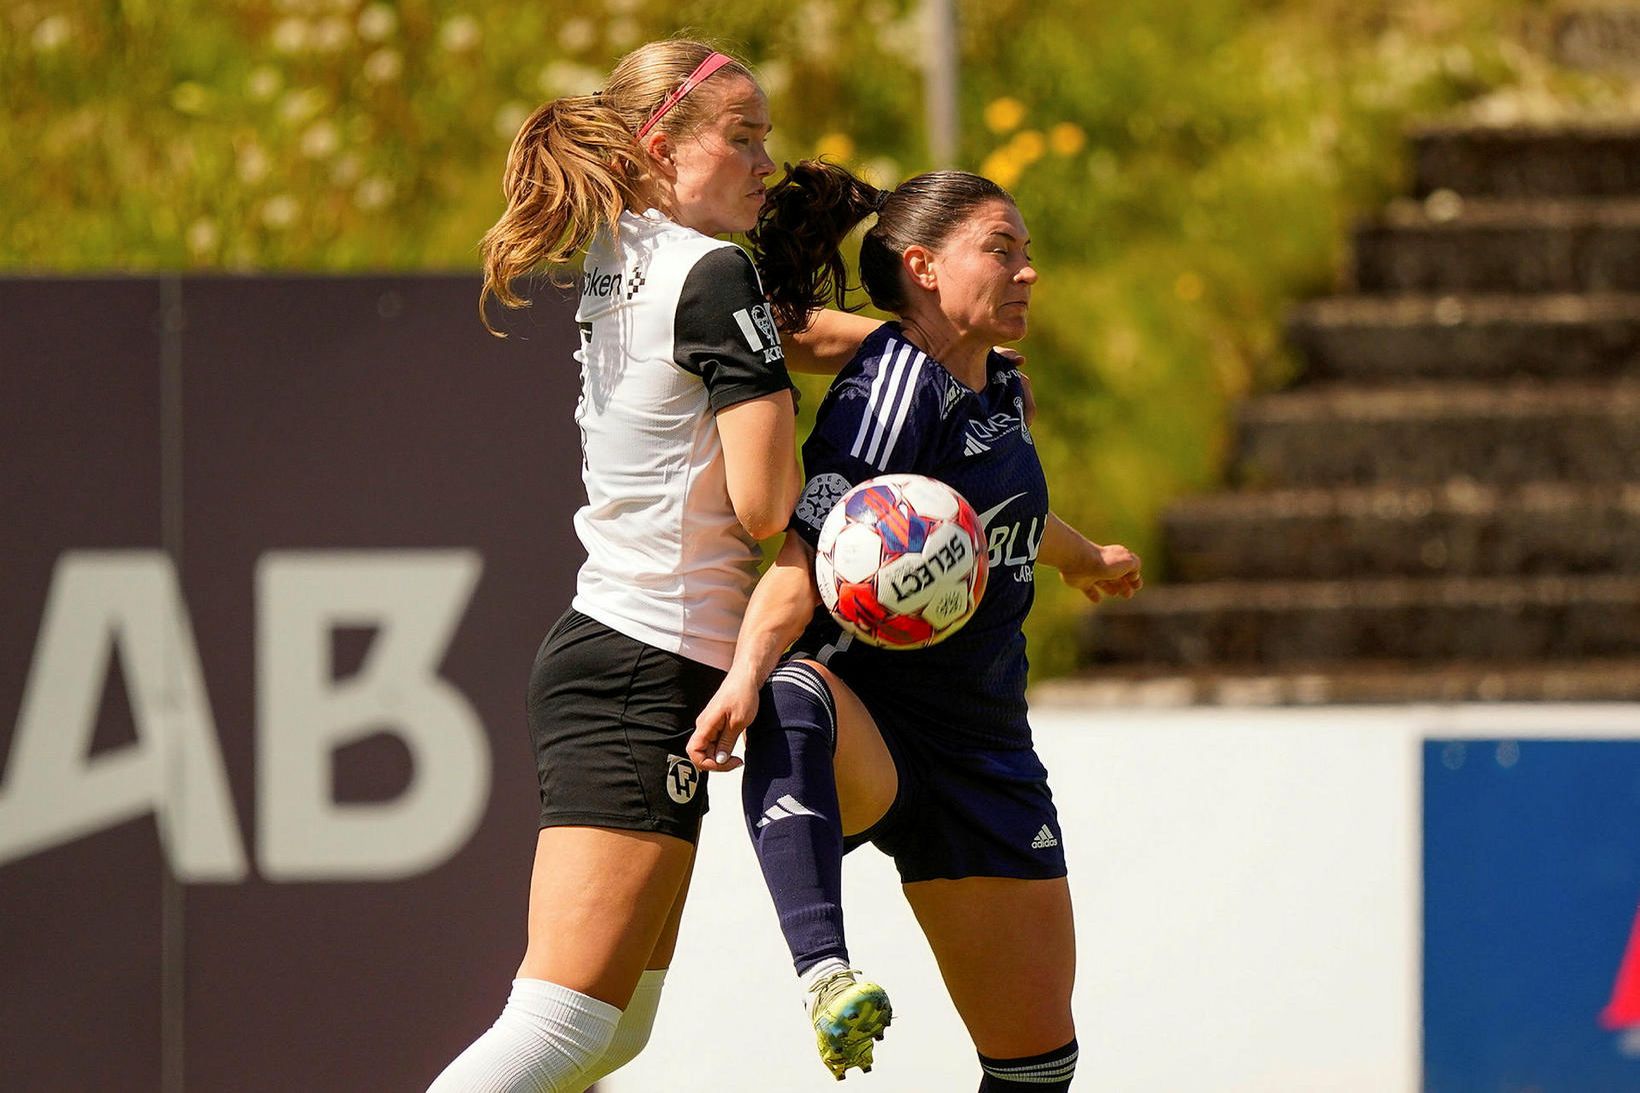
<point>1049,1072</point>
<point>800,697</point>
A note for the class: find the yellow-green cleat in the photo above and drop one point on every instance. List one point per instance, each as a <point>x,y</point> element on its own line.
<point>849,1015</point>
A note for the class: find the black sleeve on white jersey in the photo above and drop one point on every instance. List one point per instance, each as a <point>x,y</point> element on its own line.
<point>724,332</point>
<point>861,431</point>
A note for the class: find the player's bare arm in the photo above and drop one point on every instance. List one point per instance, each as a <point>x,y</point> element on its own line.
<point>781,606</point>
<point>829,341</point>
<point>760,462</point>
<point>1095,571</point>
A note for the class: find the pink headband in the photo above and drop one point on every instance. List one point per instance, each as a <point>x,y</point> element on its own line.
<point>696,78</point>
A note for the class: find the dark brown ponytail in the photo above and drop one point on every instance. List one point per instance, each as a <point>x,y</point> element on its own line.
<point>799,235</point>
<point>798,240</point>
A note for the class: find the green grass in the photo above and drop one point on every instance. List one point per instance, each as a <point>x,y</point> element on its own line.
<point>1187,167</point>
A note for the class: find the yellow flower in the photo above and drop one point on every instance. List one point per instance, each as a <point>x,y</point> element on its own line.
<point>280,211</point>
<point>1004,114</point>
<point>1003,167</point>
<point>190,98</point>
<point>835,146</point>
<point>203,236</point>
<point>52,33</point>
<point>1028,145</point>
<point>376,22</point>
<point>1066,138</point>
<point>460,33</point>
<point>383,66</point>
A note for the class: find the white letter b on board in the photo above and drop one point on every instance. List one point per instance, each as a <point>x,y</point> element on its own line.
<point>414,599</point>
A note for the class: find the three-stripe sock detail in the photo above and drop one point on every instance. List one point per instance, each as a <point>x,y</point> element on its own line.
<point>1046,1073</point>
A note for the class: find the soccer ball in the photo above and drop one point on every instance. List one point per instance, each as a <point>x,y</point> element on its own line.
<point>901,561</point>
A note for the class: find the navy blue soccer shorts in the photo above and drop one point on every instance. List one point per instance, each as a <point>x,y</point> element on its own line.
<point>967,813</point>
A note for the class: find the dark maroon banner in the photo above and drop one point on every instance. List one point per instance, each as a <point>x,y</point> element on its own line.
<point>275,558</point>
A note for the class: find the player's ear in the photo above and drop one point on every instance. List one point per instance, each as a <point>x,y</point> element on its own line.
<point>662,153</point>
<point>919,266</point>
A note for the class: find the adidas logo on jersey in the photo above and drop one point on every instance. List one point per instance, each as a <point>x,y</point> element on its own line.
<point>783,809</point>
<point>1044,839</point>
<point>970,446</point>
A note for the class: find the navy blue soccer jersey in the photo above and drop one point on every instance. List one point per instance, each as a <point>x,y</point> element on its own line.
<point>894,409</point>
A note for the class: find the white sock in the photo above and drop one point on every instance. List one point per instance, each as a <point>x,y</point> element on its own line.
<point>820,971</point>
<point>545,1041</point>
<point>632,1033</point>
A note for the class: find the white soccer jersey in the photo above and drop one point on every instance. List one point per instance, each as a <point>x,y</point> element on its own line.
<point>674,327</point>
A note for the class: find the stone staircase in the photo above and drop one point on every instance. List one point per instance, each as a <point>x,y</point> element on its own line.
<point>1447,505</point>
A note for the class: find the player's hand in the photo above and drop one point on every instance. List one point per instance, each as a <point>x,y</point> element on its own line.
<point>1106,571</point>
<point>1018,360</point>
<point>720,724</point>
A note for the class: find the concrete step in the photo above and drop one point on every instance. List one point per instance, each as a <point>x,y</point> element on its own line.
<point>1598,38</point>
<point>1276,625</point>
<point>1431,433</point>
<point>1570,160</point>
<point>1459,529</point>
<point>1378,682</point>
<point>1382,339</point>
<point>1446,244</point>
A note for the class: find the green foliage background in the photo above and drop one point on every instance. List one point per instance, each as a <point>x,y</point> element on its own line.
<point>1187,167</point>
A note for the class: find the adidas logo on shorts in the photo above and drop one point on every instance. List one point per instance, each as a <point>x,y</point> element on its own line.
<point>1044,839</point>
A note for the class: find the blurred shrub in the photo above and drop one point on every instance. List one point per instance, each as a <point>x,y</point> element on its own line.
<point>1186,166</point>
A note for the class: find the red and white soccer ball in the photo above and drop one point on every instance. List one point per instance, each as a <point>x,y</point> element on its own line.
<point>901,561</point>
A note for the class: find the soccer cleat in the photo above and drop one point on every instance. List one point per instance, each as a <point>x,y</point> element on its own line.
<point>848,1016</point>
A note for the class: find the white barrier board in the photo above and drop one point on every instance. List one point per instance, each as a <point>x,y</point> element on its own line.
<point>1247,887</point>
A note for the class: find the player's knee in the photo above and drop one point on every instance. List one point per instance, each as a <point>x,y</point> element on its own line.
<point>548,1039</point>
<point>627,1045</point>
<point>1049,1072</point>
<point>798,699</point>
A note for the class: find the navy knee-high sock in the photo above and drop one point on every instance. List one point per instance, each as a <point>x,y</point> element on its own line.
<point>1050,1072</point>
<point>789,793</point>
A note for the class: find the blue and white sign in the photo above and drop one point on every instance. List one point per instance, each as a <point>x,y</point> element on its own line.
<point>1531,883</point>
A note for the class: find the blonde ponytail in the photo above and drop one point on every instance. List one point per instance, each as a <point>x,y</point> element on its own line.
<point>575,164</point>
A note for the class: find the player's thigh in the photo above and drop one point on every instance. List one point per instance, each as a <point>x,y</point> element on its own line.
<point>867,782</point>
<point>1007,951</point>
<point>667,944</point>
<point>600,901</point>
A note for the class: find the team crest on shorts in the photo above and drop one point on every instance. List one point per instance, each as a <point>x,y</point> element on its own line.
<point>682,779</point>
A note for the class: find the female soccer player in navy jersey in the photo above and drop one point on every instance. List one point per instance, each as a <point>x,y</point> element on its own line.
<point>686,418</point>
<point>925,753</point>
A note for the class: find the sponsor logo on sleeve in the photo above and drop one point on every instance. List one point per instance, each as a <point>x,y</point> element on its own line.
<point>820,496</point>
<point>765,323</point>
<point>757,327</point>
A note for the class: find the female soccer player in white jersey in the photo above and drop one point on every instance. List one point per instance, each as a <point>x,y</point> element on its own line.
<point>925,753</point>
<point>686,417</point>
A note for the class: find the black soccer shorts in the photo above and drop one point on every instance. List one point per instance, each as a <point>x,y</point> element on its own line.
<point>611,718</point>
